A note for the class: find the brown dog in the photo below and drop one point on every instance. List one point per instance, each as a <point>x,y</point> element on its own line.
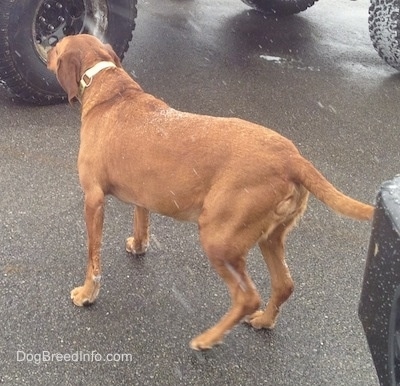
<point>242,183</point>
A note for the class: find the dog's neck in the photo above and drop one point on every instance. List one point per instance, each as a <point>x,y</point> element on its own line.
<point>88,75</point>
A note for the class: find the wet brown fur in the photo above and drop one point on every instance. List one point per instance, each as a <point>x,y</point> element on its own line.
<point>242,183</point>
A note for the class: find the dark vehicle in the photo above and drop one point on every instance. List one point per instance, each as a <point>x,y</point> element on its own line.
<point>29,27</point>
<point>379,308</point>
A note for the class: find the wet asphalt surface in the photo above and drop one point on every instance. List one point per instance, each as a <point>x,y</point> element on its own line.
<point>316,79</point>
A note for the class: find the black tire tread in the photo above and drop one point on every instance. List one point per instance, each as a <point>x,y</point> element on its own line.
<point>31,93</point>
<point>280,7</point>
<point>384,30</point>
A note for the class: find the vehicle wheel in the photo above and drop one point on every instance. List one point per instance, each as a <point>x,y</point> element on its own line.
<point>379,307</point>
<point>384,29</point>
<point>28,28</point>
<point>280,7</point>
<point>394,340</point>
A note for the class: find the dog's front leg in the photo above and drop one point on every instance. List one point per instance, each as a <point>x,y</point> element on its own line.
<point>94,215</point>
<point>139,242</point>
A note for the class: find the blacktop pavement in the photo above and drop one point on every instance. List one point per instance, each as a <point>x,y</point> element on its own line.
<point>316,79</point>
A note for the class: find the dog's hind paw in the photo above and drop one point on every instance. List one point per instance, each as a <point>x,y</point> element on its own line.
<point>134,247</point>
<point>259,320</point>
<point>81,297</point>
<point>206,341</point>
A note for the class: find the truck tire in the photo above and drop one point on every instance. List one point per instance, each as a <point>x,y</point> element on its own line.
<point>379,307</point>
<point>393,338</point>
<point>384,30</point>
<point>28,28</point>
<point>280,7</point>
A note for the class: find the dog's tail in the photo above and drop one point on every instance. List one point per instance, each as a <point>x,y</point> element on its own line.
<point>307,175</point>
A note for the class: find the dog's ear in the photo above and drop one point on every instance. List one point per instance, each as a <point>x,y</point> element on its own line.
<point>114,56</point>
<point>68,74</point>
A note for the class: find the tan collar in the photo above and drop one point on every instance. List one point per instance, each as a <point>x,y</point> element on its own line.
<point>88,75</point>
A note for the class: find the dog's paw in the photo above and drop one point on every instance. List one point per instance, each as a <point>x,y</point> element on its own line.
<point>132,246</point>
<point>81,297</point>
<point>259,320</point>
<point>205,341</point>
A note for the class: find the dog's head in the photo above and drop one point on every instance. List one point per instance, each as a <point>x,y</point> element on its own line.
<point>73,55</point>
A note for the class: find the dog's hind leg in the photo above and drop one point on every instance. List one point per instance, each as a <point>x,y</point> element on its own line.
<point>139,242</point>
<point>94,215</point>
<point>282,285</point>
<point>272,247</point>
<point>229,262</point>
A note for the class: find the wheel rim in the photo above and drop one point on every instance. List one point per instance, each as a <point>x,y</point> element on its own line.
<point>55,19</point>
